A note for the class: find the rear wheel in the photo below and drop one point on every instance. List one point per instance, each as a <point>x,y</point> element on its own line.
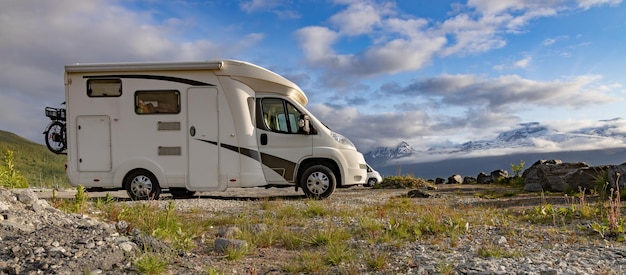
<point>318,182</point>
<point>55,137</point>
<point>142,185</point>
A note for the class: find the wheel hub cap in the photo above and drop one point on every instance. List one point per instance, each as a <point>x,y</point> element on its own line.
<point>141,186</point>
<point>318,183</point>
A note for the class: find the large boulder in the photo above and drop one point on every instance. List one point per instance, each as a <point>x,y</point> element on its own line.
<point>549,175</point>
<point>455,179</point>
<point>499,174</point>
<point>483,178</point>
<point>469,180</point>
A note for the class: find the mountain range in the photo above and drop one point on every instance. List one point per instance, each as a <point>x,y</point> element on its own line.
<point>599,143</point>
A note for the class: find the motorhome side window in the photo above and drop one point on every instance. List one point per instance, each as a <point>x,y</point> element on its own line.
<point>280,116</point>
<point>104,87</point>
<point>157,102</point>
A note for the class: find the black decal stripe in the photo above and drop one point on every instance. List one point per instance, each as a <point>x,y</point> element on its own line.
<point>250,153</point>
<point>207,141</point>
<point>266,159</point>
<point>153,77</point>
<point>276,162</point>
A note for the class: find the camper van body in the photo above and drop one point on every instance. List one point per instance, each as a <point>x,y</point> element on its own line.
<point>198,126</point>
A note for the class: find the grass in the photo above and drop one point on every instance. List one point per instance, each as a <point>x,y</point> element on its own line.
<point>40,167</point>
<point>327,236</point>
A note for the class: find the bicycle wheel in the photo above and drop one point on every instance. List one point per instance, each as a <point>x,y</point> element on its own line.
<point>55,137</point>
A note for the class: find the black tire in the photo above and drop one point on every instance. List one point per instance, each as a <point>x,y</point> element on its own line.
<point>371,182</point>
<point>142,185</point>
<point>181,193</point>
<point>318,182</point>
<point>55,137</point>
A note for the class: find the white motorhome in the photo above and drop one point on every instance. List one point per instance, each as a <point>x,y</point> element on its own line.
<point>198,126</point>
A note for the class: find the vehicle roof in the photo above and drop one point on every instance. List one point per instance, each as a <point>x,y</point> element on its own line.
<point>258,78</point>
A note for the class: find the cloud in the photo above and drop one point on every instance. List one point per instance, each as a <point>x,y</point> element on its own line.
<point>360,17</point>
<point>520,64</point>
<point>587,4</point>
<point>259,5</point>
<point>402,43</point>
<point>37,42</point>
<point>371,130</point>
<point>508,92</point>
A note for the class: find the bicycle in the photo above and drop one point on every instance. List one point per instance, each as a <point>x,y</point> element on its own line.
<point>55,131</point>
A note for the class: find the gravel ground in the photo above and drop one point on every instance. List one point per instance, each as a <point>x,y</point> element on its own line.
<point>49,242</point>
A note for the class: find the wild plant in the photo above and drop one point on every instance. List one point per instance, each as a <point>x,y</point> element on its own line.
<point>235,253</point>
<point>338,253</point>
<point>614,216</point>
<point>307,262</point>
<point>151,263</point>
<point>10,177</point>
<point>517,169</point>
<point>80,199</point>
<point>376,261</point>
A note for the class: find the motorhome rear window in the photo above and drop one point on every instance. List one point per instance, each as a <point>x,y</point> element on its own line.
<point>104,87</point>
<point>157,102</point>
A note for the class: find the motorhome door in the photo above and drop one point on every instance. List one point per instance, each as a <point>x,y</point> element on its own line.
<point>202,132</point>
<point>281,143</point>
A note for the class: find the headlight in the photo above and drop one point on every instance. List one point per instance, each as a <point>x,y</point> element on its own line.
<point>342,140</point>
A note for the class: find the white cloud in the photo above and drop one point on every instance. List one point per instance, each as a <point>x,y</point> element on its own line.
<point>523,63</point>
<point>587,4</point>
<point>259,5</point>
<point>360,18</point>
<point>316,42</point>
<point>40,37</point>
<point>403,43</point>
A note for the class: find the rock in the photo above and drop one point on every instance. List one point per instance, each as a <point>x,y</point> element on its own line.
<point>500,241</point>
<point>258,228</point>
<point>455,179</point>
<point>440,181</point>
<point>121,226</point>
<point>27,197</point>
<point>469,180</point>
<point>499,174</point>
<point>228,231</point>
<point>418,194</point>
<point>586,178</point>
<point>550,175</point>
<point>149,243</point>
<point>44,240</point>
<point>483,178</point>
<point>222,244</point>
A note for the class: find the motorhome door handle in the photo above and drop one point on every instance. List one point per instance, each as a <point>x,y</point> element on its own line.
<point>263,139</point>
<point>192,131</point>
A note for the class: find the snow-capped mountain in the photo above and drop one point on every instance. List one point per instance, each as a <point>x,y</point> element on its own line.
<point>596,143</point>
<point>382,154</point>
<point>530,137</point>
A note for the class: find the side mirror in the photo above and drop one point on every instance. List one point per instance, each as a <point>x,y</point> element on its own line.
<point>303,124</point>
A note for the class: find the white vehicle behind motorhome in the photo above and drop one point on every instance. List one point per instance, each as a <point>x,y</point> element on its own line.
<point>195,126</point>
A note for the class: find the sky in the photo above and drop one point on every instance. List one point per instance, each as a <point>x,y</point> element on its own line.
<point>379,72</point>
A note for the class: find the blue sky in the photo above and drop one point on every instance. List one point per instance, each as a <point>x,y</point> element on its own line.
<point>380,72</point>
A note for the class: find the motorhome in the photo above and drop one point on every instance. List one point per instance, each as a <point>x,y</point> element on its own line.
<point>189,127</point>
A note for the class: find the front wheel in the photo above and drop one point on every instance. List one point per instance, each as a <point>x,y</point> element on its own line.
<point>318,182</point>
<point>142,185</point>
<point>371,182</point>
<point>55,137</point>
